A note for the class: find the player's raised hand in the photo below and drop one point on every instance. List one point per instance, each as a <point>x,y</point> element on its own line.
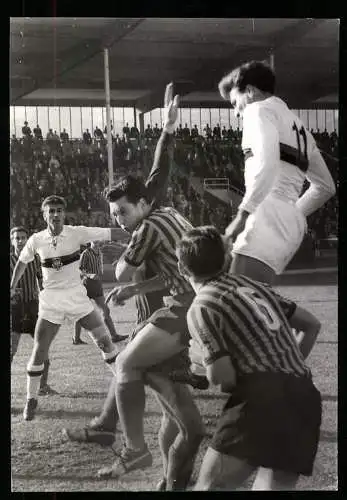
<point>170,109</point>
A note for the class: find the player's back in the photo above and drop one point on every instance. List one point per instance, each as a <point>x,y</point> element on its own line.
<point>169,226</point>
<point>296,144</point>
<point>249,322</point>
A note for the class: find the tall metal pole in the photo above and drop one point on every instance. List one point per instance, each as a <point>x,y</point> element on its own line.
<point>108,118</point>
<point>272,61</point>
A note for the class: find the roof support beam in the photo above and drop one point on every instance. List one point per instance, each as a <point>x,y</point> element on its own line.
<point>71,58</point>
<point>211,75</point>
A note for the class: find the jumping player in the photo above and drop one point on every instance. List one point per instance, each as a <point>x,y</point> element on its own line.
<point>241,334</point>
<point>279,155</point>
<point>154,234</point>
<point>182,430</point>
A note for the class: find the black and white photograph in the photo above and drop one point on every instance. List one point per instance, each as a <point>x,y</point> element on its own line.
<point>173,254</point>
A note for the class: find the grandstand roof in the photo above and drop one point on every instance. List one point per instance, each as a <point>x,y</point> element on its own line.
<point>59,61</point>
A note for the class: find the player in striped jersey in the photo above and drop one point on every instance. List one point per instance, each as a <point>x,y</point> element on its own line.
<point>155,232</point>
<point>280,154</point>
<point>241,333</point>
<point>25,305</point>
<point>91,267</point>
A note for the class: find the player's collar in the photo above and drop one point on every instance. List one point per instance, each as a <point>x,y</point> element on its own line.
<point>48,234</point>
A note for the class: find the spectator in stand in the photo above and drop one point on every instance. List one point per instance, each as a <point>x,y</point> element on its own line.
<point>224,133</point>
<point>126,130</point>
<point>156,132</point>
<point>208,131</point>
<point>195,132</point>
<point>50,139</point>
<point>26,131</point>
<point>64,136</point>
<point>179,131</point>
<point>149,132</point>
<point>217,132</point>
<point>98,134</point>
<point>186,132</point>
<point>38,133</point>
<point>53,164</point>
<point>134,132</point>
<point>87,138</point>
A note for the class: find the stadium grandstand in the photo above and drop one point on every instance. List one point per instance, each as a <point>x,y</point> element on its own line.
<point>72,77</point>
<point>62,102</point>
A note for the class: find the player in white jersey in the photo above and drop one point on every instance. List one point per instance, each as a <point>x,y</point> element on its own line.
<point>279,155</point>
<point>63,295</point>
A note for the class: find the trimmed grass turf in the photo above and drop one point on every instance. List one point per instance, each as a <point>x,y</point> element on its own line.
<point>42,461</point>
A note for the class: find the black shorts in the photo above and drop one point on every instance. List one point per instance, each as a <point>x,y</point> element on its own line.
<point>171,318</point>
<point>24,317</point>
<point>272,420</point>
<point>94,288</point>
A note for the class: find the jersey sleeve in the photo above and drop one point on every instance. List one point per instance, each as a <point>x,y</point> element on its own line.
<point>157,181</point>
<point>143,241</point>
<point>322,186</point>
<point>204,329</point>
<point>86,234</point>
<point>262,137</point>
<point>28,253</point>
<point>84,261</point>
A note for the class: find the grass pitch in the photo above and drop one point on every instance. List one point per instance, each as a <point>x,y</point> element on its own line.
<point>42,461</point>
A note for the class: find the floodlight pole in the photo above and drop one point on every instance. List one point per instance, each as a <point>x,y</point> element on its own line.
<point>272,61</point>
<point>108,118</point>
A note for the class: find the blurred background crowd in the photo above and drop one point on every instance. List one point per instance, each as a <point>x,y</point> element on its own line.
<point>77,169</point>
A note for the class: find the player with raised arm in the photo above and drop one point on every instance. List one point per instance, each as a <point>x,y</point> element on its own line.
<point>280,154</point>
<point>155,231</point>
<point>241,334</point>
<point>63,295</point>
<point>181,430</point>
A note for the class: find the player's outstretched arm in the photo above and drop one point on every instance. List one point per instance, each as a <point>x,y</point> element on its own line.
<point>124,291</point>
<point>322,186</point>
<point>303,320</point>
<point>157,180</point>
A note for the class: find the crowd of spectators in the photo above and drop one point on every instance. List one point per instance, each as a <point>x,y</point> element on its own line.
<point>77,169</point>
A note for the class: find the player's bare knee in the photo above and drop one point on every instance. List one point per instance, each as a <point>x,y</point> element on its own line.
<point>122,364</point>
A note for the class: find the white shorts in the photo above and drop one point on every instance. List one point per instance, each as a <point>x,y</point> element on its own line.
<point>273,233</point>
<point>71,304</point>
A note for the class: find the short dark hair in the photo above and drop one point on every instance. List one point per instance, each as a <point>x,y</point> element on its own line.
<point>131,187</point>
<point>256,73</point>
<point>18,229</point>
<point>201,252</point>
<point>53,200</point>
